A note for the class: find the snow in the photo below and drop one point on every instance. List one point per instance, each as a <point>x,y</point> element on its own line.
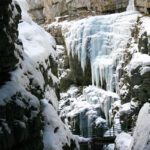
<point>54,139</point>
<point>123,141</point>
<point>125,108</point>
<point>5,125</point>
<point>73,91</point>
<point>145,25</point>
<point>37,45</point>
<point>92,97</point>
<point>144,70</point>
<point>109,147</point>
<point>103,39</point>
<point>24,10</point>
<point>99,120</point>
<point>50,95</point>
<point>137,60</point>
<point>142,131</point>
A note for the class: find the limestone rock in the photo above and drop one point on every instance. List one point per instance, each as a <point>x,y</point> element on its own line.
<point>36,10</point>
<point>143,6</point>
<point>49,9</point>
<point>81,8</point>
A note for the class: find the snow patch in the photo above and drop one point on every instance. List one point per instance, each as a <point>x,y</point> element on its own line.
<point>142,131</point>
<point>123,141</point>
<point>56,134</point>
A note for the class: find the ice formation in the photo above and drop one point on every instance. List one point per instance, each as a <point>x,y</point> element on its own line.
<point>87,110</point>
<point>102,40</point>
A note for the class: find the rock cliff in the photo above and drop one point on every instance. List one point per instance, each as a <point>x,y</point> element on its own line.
<point>89,43</point>
<point>50,10</point>
<point>7,42</point>
<point>29,85</point>
<point>36,10</point>
<point>73,8</point>
<point>143,6</point>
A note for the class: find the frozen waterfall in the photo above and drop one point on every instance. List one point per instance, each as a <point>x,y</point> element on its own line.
<point>131,6</point>
<point>102,40</point>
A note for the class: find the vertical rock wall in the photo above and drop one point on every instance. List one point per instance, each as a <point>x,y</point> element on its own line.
<point>8,38</point>
<point>25,123</point>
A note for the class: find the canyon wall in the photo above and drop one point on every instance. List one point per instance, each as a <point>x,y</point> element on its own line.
<point>128,75</point>
<point>7,47</point>
<point>143,6</point>
<point>29,85</point>
<point>49,9</point>
<point>81,8</point>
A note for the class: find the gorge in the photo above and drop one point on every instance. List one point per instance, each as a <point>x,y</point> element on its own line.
<point>81,71</point>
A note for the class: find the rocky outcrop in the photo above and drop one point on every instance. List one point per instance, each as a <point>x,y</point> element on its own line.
<point>31,92</point>
<point>70,71</point>
<point>143,6</point>
<point>16,123</point>
<point>135,75</point>
<point>71,9</point>
<point>81,8</point>
<point>7,48</point>
<point>36,10</point>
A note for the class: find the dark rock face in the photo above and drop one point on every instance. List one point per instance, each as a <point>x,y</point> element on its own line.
<point>80,78</point>
<point>21,112</point>
<point>144,45</point>
<point>72,146</point>
<point>75,74</point>
<point>18,127</point>
<point>8,36</point>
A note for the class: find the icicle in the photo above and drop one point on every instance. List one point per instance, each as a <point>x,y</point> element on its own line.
<point>101,39</point>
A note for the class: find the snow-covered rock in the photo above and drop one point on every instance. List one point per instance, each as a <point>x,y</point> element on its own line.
<point>57,136</point>
<point>32,78</point>
<point>123,141</point>
<point>142,131</point>
<point>87,113</point>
